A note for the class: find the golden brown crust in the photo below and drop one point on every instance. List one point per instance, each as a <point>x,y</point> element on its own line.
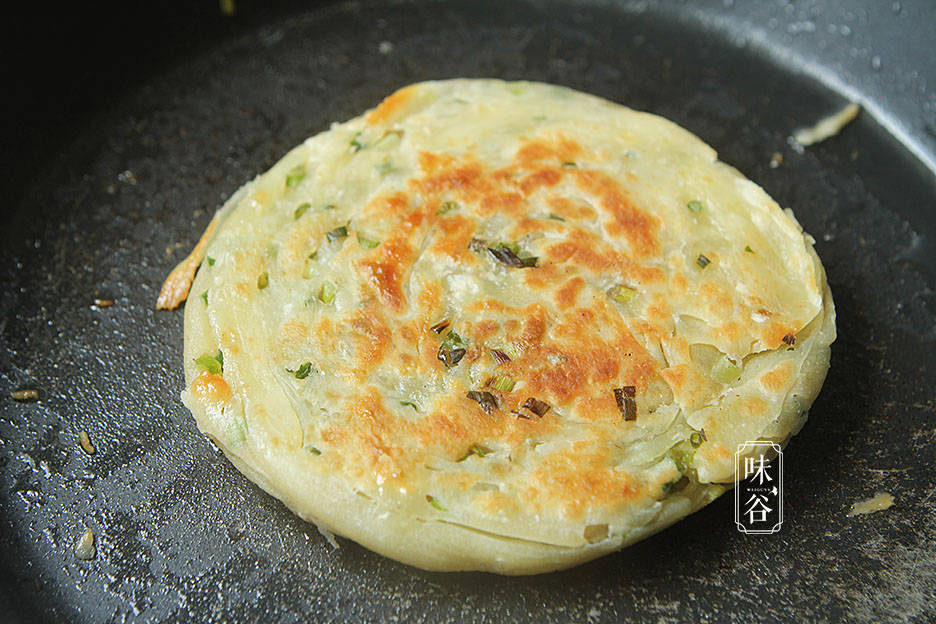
<point>394,361</point>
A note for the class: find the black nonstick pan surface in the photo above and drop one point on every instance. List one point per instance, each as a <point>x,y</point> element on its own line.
<point>120,144</point>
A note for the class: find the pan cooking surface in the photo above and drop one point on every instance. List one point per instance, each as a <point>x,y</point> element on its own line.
<point>181,535</point>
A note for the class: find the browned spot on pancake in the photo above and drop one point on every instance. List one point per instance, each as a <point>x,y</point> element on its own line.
<point>545,176</point>
<point>595,483</point>
<point>211,387</point>
<point>559,151</point>
<point>638,227</point>
<point>568,293</point>
<point>391,105</point>
<point>778,378</point>
<point>585,250</point>
<point>451,237</point>
<point>569,208</point>
<point>446,178</point>
<point>484,329</point>
<point>501,202</point>
<point>371,337</point>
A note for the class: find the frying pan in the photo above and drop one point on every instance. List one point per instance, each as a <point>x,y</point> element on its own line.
<point>120,146</point>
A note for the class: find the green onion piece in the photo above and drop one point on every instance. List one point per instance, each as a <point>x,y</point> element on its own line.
<point>475,449</point>
<point>211,261</point>
<point>383,168</point>
<point>553,215</point>
<point>301,209</point>
<point>748,249</point>
<point>432,501</point>
<point>503,384</point>
<point>263,281</point>
<point>725,371</point>
<point>220,358</point>
<point>675,485</point>
<point>621,293</point>
<point>303,371</point>
<point>569,165</point>
<point>446,207</point>
<point>702,261</point>
<point>337,234</point>
<point>479,450</point>
<point>514,247</point>
<point>329,207</point>
<point>313,450</point>
<point>356,145</point>
<point>697,438</point>
<point>539,117</point>
<point>327,291</point>
<point>204,297</point>
<point>695,205</point>
<point>409,404</point>
<point>682,455</point>
<point>209,363</point>
<point>295,176</point>
<point>366,242</point>
<point>388,141</point>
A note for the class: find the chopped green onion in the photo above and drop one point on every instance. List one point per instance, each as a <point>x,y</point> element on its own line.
<point>695,205</point>
<point>569,165</point>
<point>452,349</point>
<point>204,297</point>
<point>621,293</point>
<point>476,449</point>
<point>441,326</point>
<point>263,281</point>
<point>313,450</point>
<point>502,383</point>
<point>329,207</point>
<point>303,371</point>
<point>327,291</point>
<point>383,168</point>
<point>366,242</point>
<point>409,404</point>
<point>209,363</point>
<point>446,207</point>
<point>211,261</point>
<point>499,356</point>
<point>356,145</point>
<point>697,438</point>
<point>675,485</point>
<point>748,249</point>
<point>682,455</point>
<point>432,501</point>
<point>337,234</point>
<point>505,254</point>
<point>388,141</point>
<point>485,399</point>
<point>702,261</point>
<point>725,371</point>
<point>626,400</point>
<point>536,406</point>
<point>301,209</point>
<point>553,215</point>
<point>295,176</point>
